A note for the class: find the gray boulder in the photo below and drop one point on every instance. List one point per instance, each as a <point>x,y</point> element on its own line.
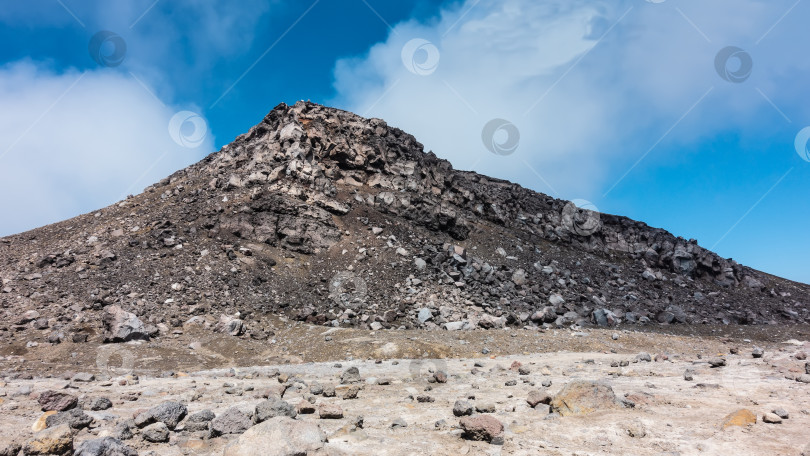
<point>75,418</point>
<point>272,408</point>
<point>107,446</point>
<point>279,436</point>
<point>351,375</point>
<point>462,408</point>
<point>169,413</point>
<point>231,421</point>
<point>122,326</point>
<point>199,421</point>
<point>156,433</point>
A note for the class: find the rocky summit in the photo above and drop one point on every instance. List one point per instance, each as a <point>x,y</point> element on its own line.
<point>324,286</point>
<point>326,217</point>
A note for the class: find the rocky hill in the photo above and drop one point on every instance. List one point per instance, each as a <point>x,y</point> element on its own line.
<point>329,218</point>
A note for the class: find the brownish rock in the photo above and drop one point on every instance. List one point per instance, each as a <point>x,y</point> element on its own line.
<point>328,411</point>
<point>57,400</point>
<point>584,397</point>
<point>481,427</point>
<point>538,397</point>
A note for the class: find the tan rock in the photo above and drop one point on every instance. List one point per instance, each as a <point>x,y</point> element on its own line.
<point>279,436</point>
<point>584,397</point>
<point>740,418</point>
<point>55,440</point>
<point>39,424</point>
<point>771,418</point>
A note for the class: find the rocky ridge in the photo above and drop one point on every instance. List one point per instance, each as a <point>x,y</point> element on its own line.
<point>326,217</point>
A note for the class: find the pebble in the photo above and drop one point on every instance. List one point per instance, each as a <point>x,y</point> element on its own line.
<point>771,418</point>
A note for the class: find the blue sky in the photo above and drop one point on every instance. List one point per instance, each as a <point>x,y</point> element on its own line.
<point>640,107</point>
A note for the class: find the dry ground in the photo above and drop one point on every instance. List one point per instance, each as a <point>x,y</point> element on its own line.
<point>676,416</point>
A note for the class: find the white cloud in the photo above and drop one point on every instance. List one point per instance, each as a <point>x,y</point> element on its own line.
<point>586,108</point>
<point>72,142</point>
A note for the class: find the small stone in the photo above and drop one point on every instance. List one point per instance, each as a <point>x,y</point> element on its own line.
<point>771,418</point>
<point>330,411</point>
<point>485,408</point>
<point>644,357</point>
<point>123,431</point>
<point>717,362</point>
<point>305,408</point>
<point>689,375</point>
<point>156,433</point>
<point>757,352</point>
<point>96,403</point>
<point>41,422</point>
<point>399,423</point>
<point>84,377</point>
<point>351,375</point>
<point>462,408</point>
<point>538,397</point>
<point>636,430</point>
<point>440,377</point>
<point>351,393</point>
<point>781,413</point>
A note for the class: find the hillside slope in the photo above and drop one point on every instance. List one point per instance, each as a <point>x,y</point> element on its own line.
<point>324,216</point>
